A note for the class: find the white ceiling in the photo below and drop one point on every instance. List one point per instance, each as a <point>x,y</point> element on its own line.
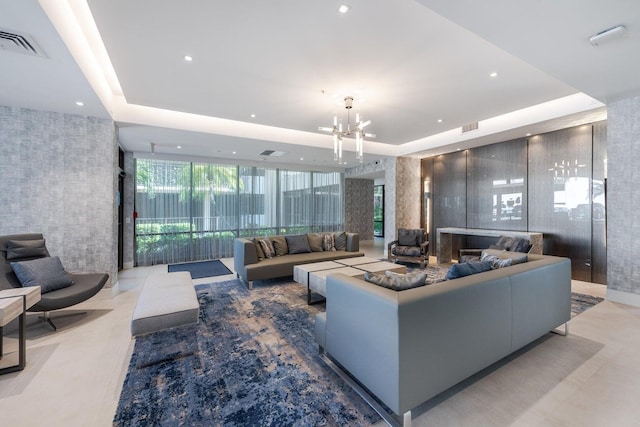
<point>407,63</point>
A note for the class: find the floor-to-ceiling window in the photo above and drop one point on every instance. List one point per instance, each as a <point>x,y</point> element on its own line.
<point>191,211</point>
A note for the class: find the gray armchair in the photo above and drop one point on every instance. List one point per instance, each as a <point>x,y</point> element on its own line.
<point>412,245</point>
<point>84,285</point>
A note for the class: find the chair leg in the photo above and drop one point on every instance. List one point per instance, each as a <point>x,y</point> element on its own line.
<point>46,317</point>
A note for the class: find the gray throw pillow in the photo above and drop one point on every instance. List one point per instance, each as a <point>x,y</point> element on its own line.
<point>17,249</point>
<point>259,250</point>
<point>340,238</point>
<point>47,273</point>
<point>280,245</point>
<point>407,237</point>
<point>496,262</point>
<point>466,269</point>
<point>315,242</point>
<point>267,247</point>
<point>515,257</point>
<point>397,281</point>
<point>298,244</point>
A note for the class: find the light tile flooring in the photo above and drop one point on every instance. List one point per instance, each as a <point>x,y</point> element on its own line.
<point>590,378</point>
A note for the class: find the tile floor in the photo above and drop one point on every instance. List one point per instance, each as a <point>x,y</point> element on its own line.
<point>590,378</point>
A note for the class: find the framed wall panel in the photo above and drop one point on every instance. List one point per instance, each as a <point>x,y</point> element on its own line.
<point>497,186</point>
<point>448,190</point>
<point>560,172</point>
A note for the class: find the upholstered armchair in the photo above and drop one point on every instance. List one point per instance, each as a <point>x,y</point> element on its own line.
<point>504,243</point>
<point>412,245</point>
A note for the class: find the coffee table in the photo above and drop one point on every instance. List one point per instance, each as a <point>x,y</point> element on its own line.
<point>314,275</point>
<point>352,262</point>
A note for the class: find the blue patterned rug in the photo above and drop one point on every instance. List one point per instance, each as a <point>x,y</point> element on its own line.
<point>252,360</point>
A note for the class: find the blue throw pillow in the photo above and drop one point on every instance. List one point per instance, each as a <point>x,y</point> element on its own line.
<point>47,273</point>
<point>466,269</point>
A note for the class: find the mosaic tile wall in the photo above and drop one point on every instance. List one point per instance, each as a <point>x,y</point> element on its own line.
<point>358,207</point>
<point>623,195</point>
<point>408,192</point>
<point>58,173</point>
<point>402,192</point>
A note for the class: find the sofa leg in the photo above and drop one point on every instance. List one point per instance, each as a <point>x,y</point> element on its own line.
<point>560,332</point>
<point>406,419</point>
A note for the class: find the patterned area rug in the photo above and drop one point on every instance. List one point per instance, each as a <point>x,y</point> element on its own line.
<point>251,360</point>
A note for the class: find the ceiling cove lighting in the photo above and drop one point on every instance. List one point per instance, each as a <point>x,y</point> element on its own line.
<point>339,133</point>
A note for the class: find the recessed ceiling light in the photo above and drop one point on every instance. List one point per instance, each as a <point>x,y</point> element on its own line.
<point>343,8</point>
<point>253,116</point>
<point>80,103</point>
<point>233,152</point>
<point>301,158</point>
<point>188,58</point>
<point>439,120</point>
<point>528,134</point>
<point>494,74</point>
<point>179,146</point>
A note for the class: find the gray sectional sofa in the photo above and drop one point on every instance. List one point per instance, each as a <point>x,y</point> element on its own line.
<point>408,346</point>
<point>249,267</point>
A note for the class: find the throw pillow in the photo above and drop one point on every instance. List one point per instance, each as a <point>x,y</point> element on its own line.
<point>328,242</point>
<point>515,257</point>
<point>280,245</point>
<point>340,238</point>
<point>259,250</point>
<point>298,244</point>
<point>47,273</point>
<point>315,242</point>
<point>521,245</point>
<point>505,242</point>
<point>466,269</point>
<point>267,247</point>
<point>407,237</point>
<point>496,262</point>
<point>397,281</point>
<point>17,249</point>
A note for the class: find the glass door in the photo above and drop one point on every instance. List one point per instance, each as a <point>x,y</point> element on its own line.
<point>378,210</point>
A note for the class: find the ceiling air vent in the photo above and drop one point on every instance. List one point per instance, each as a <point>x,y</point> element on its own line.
<point>470,127</point>
<point>272,153</point>
<point>13,41</point>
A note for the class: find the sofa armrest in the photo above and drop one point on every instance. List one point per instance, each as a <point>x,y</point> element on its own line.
<point>244,253</point>
<point>353,242</point>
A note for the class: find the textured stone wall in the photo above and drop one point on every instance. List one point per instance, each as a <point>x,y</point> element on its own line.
<point>623,197</point>
<point>388,168</point>
<point>408,192</point>
<point>59,178</point>
<point>402,192</point>
<point>358,207</point>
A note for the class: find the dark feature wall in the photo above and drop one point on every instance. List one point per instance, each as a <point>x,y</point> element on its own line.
<point>552,183</point>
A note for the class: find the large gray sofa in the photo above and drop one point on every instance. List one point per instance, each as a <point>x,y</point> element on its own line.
<point>249,268</point>
<point>408,346</point>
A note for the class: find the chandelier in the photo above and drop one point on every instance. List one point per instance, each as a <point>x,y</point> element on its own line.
<point>339,133</point>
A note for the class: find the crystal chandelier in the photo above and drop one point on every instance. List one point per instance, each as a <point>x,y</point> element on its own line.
<point>338,132</point>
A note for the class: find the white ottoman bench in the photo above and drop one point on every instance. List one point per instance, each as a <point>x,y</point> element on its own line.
<point>167,300</point>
